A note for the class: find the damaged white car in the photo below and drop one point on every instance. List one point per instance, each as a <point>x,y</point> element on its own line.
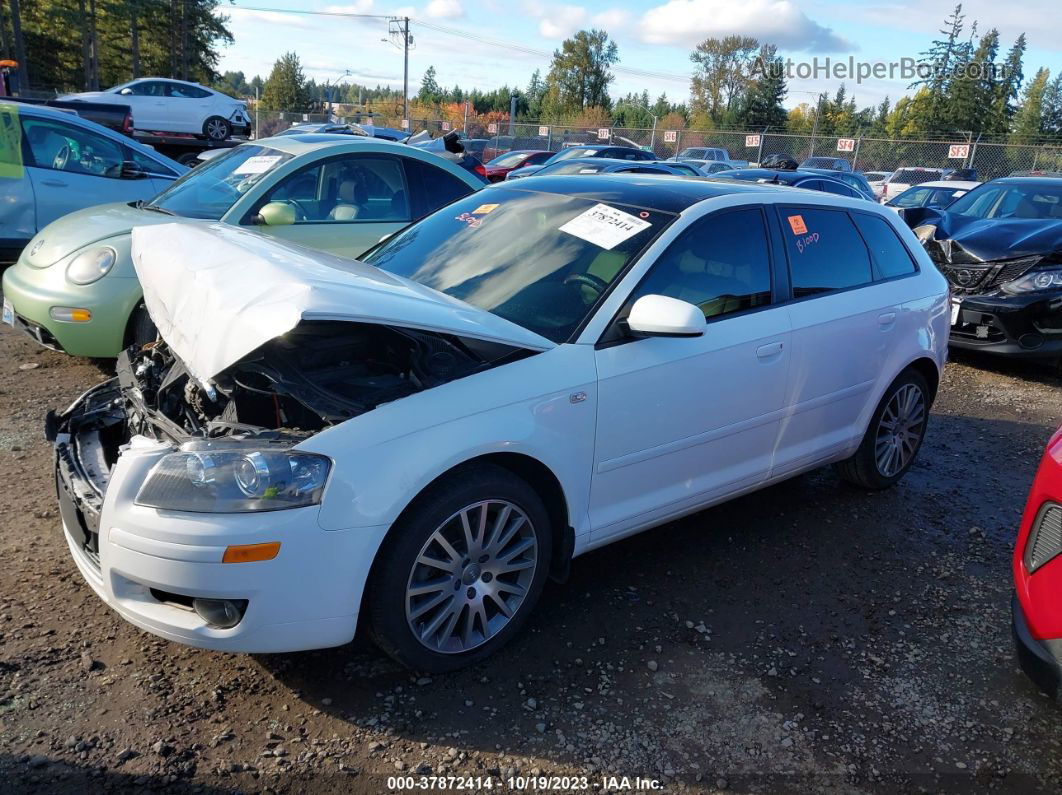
<point>418,441</point>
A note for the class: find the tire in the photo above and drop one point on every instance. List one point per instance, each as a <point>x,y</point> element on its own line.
<point>141,327</point>
<point>217,129</point>
<point>440,618</point>
<point>881,459</point>
<point>189,159</point>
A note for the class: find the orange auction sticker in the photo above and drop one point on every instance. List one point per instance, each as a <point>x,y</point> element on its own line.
<point>796,222</point>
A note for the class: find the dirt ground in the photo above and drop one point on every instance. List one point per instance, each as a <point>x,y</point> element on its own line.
<point>808,638</point>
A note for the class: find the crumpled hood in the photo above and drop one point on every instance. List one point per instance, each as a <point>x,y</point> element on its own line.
<point>217,292</point>
<point>995,239</point>
<point>85,227</point>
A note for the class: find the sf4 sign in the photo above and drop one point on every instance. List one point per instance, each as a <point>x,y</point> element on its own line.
<point>846,144</point>
<point>752,141</point>
<point>670,136</point>
<point>446,126</point>
<point>959,151</point>
<point>492,128</point>
<point>603,133</point>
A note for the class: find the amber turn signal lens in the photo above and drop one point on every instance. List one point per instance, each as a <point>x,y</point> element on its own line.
<point>251,553</point>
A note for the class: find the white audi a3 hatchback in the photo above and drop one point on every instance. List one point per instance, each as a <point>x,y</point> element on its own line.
<point>418,440</point>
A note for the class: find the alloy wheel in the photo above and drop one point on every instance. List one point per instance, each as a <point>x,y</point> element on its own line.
<point>900,430</point>
<point>217,129</point>
<point>471,576</point>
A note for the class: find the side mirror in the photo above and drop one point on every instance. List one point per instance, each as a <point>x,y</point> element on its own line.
<point>276,214</point>
<point>132,170</point>
<point>661,316</point>
<point>126,92</point>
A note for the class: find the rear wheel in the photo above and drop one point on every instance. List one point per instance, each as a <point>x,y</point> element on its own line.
<point>894,435</point>
<point>462,571</point>
<point>216,128</point>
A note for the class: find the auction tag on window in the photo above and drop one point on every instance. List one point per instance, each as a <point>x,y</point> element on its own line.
<point>483,209</point>
<point>604,226</point>
<point>796,223</point>
<point>259,164</point>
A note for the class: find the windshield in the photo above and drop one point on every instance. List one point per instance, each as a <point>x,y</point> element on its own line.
<point>540,260</point>
<point>572,168</point>
<point>209,190</point>
<point>509,159</point>
<point>1011,201</point>
<point>572,151</point>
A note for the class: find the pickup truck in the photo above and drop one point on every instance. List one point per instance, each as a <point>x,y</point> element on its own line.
<point>712,153</point>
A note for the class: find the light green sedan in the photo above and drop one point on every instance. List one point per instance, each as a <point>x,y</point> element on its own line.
<point>74,288</point>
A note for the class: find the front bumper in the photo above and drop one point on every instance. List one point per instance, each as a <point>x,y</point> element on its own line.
<point>111,300</point>
<point>137,559</point>
<point>1035,659</point>
<point>1027,326</point>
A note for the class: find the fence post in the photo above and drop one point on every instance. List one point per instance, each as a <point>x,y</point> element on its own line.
<point>759,150</point>
<point>549,139</point>
<point>973,151</point>
<point>855,158</point>
<point>678,142</point>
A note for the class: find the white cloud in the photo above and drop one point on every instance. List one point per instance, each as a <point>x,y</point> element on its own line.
<point>778,22</point>
<point>444,9</point>
<point>359,7</point>
<point>242,15</point>
<point>556,22</point>
<point>612,19</point>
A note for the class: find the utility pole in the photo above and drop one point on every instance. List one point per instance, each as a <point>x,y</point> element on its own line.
<point>512,111</point>
<point>405,70</point>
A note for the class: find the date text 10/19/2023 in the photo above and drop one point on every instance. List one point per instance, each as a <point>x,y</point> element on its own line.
<point>523,783</point>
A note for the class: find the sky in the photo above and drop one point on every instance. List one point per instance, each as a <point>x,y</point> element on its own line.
<point>504,42</point>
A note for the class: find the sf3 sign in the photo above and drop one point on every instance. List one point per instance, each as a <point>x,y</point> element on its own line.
<point>958,151</point>
<point>846,144</point>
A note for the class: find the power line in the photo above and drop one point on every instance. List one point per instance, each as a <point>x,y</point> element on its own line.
<point>446,29</point>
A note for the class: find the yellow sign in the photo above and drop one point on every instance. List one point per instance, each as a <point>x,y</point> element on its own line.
<point>483,209</point>
<point>10,142</point>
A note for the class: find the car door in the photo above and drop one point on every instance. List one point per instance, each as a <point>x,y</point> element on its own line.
<point>844,315</point>
<point>146,100</point>
<point>72,167</point>
<point>185,108</point>
<point>343,204</point>
<point>685,421</point>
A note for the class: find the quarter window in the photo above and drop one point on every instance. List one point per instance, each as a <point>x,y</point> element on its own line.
<point>825,251</point>
<point>721,264</point>
<point>890,255</point>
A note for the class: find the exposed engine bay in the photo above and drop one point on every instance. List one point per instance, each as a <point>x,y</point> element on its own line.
<point>318,374</point>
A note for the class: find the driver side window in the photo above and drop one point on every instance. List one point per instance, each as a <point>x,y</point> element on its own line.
<point>721,264</point>
<point>61,147</point>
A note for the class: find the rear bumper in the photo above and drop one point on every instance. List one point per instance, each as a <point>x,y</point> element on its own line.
<point>1035,659</point>
<point>1025,326</point>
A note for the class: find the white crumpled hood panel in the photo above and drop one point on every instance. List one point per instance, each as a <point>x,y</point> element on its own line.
<point>217,292</point>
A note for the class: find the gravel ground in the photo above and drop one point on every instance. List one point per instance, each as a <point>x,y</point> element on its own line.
<point>810,637</point>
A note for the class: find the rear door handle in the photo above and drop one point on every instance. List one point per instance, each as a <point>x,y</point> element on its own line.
<point>54,183</point>
<point>769,350</point>
<point>887,319</point>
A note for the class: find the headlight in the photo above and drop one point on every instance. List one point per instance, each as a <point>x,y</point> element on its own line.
<point>88,266</point>
<point>235,481</point>
<point>925,232</point>
<point>1050,279</point>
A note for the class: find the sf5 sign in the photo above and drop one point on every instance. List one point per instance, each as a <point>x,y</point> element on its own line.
<point>752,141</point>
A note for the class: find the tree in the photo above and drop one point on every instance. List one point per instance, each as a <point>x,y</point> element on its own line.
<point>971,94</point>
<point>722,75</point>
<point>939,62</point>
<point>579,74</point>
<point>1029,119</point>
<point>533,94</point>
<point>286,87</point>
<point>1006,89</point>
<point>1052,107</point>
<point>763,106</point>
<point>430,91</point>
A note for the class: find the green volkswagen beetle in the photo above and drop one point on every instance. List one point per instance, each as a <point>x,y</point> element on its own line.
<point>73,288</point>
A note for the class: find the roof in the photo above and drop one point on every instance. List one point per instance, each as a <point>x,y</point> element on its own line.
<point>779,176</point>
<point>300,143</point>
<point>1047,182</point>
<point>666,193</point>
<point>955,184</point>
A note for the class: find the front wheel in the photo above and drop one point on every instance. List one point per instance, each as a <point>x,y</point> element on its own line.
<point>894,435</point>
<point>217,129</point>
<point>461,571</point>
<point>141,328</point>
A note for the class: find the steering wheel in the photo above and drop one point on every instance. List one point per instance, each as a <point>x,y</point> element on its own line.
<point>300,211</point>
<point>62,157</point>
<point>588,280</point>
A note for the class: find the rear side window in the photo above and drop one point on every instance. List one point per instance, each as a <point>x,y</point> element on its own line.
<point>437,187</point>
<point>721,264</point>
<point>830,186</point>
<point>889,253</point>
<point>825,251</point>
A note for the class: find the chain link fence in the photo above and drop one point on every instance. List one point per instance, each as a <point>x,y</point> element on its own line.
<point>989,160</point>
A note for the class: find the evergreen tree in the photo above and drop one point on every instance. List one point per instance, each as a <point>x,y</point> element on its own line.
<point>1052,107</point>
<point>534,92</point>
<point>939,63</point>
<point>286,88</point>
<point>763,107</point>
<point>1029,119</point>
<point>1006,89</point>
<point>971,94</point>
<point>431,92</point>
<point>579,74</point>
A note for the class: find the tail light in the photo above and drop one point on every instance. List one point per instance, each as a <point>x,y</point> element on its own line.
<point>127,124</point>
<point>481,170</point>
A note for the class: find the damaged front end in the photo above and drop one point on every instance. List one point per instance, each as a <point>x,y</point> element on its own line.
<point>231,437</point>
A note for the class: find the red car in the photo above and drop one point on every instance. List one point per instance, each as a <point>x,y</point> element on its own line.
<point>1037,607</point>
<point>503,164</point>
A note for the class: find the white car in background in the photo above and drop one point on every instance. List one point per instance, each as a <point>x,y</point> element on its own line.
<point>877,180</point>
<point>937,195</point>
<point>176,106</point>
<point>903,178</point>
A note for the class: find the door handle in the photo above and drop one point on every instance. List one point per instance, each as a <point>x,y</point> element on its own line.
<point>769,350</point>
<point>887,319</point>
<point>54,183</point>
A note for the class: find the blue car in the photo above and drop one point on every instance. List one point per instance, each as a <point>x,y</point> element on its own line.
<point>53,162</point>
<point>607,165</point>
